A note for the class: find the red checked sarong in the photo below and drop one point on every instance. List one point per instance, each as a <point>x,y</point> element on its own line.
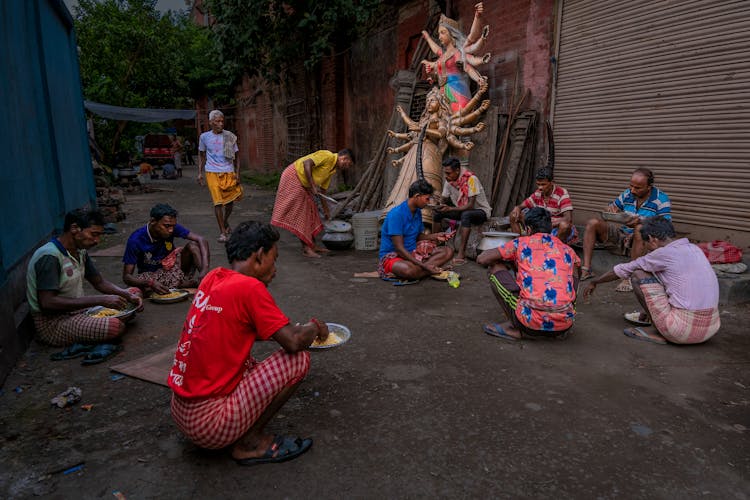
<point>679,326</point>
<point>295,209</point>
<point>218,422</point>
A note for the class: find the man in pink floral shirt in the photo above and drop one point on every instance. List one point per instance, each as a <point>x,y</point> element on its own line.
<point>539,300</point>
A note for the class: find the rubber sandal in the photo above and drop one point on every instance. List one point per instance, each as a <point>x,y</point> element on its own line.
<point>496,330</point>
<point>282,448</point>
<point>101,353</point>
<point>405,282</point>
<point>72,351</point>
<point>639,333</point>
<point>459,262</point>
<point>223,238</point>
<point>586,274</point>
<point>634,318</point>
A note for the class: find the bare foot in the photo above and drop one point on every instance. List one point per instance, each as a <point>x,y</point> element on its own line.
<point>257,449</point>
<point>309,252</point>
<point>321,249</point>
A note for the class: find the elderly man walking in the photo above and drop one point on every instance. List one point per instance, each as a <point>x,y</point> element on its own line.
<point>675,285</point>
<point>217,150</point>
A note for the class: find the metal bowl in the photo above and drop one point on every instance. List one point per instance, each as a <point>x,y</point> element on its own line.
<point>337,226</point>
<point>494,239</point>
<point>620,217</point>
<point>338,241</point>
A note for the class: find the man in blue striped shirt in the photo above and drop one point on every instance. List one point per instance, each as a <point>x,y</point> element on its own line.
<point>641,200</point>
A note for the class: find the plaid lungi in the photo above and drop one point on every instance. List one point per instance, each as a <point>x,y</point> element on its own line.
<point>424,250</point>
<point>295,210</point>
<point>679,326</point>
<point>171,274</point>
<point>75,327</point>
<point>218,422</point>
<point>225,188</point>
<point>64,329</point>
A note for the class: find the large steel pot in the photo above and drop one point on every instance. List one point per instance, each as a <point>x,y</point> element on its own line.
<point>494,239</point>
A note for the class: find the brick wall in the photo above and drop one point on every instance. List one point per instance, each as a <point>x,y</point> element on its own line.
<point>354,98</point>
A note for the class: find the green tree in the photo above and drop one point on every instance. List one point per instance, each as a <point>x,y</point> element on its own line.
<point>131,55</point>
<point>264,37</point>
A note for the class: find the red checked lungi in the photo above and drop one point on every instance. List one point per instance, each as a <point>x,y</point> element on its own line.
<point>295,209</point>
<point>680,326</point>
<point>218,422</point>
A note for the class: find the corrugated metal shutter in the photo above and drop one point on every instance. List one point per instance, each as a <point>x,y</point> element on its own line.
<point>660,84</point>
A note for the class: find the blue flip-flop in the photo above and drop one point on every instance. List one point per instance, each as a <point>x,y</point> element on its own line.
<point>496,330</point>
<point>405,282</point>
<point>72,351</point>
<point>639,333</point>
<point>282,448</point>
<point>101,353</point>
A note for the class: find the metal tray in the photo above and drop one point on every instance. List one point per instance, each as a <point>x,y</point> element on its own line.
<point>340,330</point>
<point>160,300</point>
<point>123,315</point>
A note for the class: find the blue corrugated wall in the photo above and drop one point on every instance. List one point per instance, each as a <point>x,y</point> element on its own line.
<point>46,166</point>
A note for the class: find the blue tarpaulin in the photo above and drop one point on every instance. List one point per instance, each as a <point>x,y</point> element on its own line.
<point>145,115</point>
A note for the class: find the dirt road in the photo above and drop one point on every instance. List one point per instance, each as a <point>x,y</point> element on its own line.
<point>420,403</point>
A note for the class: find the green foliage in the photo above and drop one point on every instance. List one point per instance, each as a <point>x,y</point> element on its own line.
<point>264,37</point>
<point>131,55</point>
<point>265,181</point>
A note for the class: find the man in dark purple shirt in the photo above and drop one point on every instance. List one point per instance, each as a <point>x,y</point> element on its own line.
<point>159,263</point>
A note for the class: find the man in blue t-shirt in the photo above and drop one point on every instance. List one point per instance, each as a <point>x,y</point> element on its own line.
<point>406,252</point>
<point>160,264</point>
<point>640,201</point>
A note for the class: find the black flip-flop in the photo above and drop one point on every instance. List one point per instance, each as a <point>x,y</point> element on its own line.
<point>101,353</point>
<point>282,448</point>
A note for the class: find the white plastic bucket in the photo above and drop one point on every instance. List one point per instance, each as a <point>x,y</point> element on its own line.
<point>365,226</point>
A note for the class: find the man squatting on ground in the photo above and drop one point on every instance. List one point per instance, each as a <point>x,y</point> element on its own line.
<point>675,285</point>
<point>642,199</point>
<point>217,157</point>
<point>556,200</point>
<point>406,252</point>
<point>469,203</point>
<point>301,182</point>
<point>160,264</point>
<point>54,286</point>
<point>540,299</point>
<point>221,395</point>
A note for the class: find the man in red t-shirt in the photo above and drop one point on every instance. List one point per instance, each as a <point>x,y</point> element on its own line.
<point>221,395</point>
<point>556,200</point>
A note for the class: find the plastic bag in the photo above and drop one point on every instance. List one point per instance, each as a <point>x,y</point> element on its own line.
<point>721,252</point>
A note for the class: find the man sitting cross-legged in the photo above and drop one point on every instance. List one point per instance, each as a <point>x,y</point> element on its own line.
<point>222,397</point>
<point>406,252</point>
<point>540,299</point>
<point>160,264</point>
<point>675,285</point>
<point>54,286</point>
<point>469,203</point>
